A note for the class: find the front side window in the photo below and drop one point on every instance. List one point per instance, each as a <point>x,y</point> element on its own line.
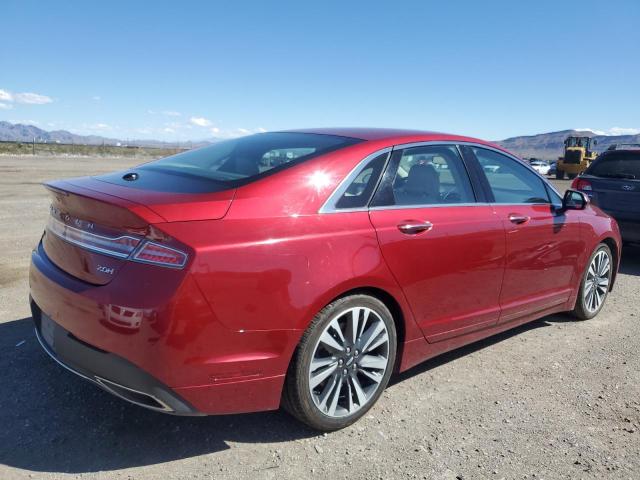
<point>427,175</point>
<point>509,180</point>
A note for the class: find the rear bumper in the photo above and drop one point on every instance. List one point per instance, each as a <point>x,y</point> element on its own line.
<point>110,372</point>
<point>173,355</point>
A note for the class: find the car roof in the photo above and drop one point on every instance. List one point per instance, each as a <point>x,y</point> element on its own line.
<point>387,134</point>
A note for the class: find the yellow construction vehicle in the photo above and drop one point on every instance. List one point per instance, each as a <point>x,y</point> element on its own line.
<point>577,157</point>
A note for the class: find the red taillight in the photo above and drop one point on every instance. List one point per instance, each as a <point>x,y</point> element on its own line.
<point>160,255</point>
<point>581,184</point>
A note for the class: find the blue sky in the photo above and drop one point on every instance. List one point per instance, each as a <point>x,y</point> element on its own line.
<point>192,70</point>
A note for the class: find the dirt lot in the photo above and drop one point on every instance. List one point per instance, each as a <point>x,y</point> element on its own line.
<point>553,399</point>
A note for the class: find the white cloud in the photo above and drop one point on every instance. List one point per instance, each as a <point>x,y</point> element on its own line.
<point>200,121</point>
<point>25,97</point>
<point>5,106</point>
<point>32,98</point>
<point>214,130</point>
<point>243,131</point>
<point>6,96</point>
<point>624,131</point>
<point>168,130</point>
<point>261,130</point>
<point>96,98</point>
<point>168,113</point>
<point>612,131</point>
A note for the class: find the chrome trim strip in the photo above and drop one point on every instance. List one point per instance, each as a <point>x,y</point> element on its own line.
<point>104,383</point>
<point>329,205</point>
<point>92,248</point>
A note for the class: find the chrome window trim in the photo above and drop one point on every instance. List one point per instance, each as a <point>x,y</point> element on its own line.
<point>329,206</point>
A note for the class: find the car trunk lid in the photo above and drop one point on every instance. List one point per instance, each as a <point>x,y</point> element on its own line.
<point>95,227</point>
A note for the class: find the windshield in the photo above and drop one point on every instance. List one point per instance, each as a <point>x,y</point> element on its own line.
<point>242,159</point>
<point>617,165</point>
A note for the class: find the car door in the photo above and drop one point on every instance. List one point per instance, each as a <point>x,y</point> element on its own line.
<point>445,249</point>
<point>543,244</point>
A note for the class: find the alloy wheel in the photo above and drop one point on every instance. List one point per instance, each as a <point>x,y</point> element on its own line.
<point>349,362</point>
<point>596,284</point>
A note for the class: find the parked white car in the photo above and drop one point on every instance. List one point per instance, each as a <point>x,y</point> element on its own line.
<point>541,167</point>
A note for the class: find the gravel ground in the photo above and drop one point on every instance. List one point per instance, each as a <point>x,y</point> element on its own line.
<point>553,399</point>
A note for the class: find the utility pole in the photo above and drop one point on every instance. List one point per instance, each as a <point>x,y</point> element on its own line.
<point>33,146</point>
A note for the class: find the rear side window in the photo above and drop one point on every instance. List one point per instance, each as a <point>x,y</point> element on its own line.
<point>426,175</point>
<point>236,162</point>
<point>361,188</point>
<point>509,180</point>
<point>617,165</point>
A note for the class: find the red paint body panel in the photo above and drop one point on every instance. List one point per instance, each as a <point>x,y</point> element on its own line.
<point>262,262</point>
<point>451,274</point>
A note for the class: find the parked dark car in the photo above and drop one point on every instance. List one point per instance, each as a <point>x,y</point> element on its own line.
<point>613,183</point>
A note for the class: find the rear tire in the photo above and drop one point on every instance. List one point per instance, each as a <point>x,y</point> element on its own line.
<point>594,287</point>
<point>559,174</point>
<point>342,364</point>
<point>571,176</point>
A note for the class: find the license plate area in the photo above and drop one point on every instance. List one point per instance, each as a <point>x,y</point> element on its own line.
<point>47,330</point>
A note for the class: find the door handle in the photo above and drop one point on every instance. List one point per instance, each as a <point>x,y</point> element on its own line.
<point>412,227</point>
<point>518,219</point>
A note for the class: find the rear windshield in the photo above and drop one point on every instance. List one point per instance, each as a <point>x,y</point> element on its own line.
<point>617,165</point>
<point>241,160</point>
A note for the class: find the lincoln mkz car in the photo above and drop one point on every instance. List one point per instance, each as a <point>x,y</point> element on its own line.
<point>302,268</point>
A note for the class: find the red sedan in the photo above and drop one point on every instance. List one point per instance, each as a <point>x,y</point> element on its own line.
<point>303,268</point>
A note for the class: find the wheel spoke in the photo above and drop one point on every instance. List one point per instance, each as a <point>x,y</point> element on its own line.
<point>354,325</point>
<point>361,396</point>
<point>598,298</point>
<point>373,361</point>
<point>326,392</point>
<point>338,329</point>
<point>350,405</point>
<point>317,378</point>
<point>604,265</point>
<point>319,362</point>
<point>587,289</point>
<point>370,335</point>
<point>327,340</point>
<point>336,396</point>
<point>373,375</point>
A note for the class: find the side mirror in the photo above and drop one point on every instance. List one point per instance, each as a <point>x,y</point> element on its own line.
<point>574,200</point>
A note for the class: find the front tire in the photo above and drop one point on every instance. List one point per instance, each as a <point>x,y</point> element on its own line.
<point>342,364</point>
<point>559,174</point>
<point>595,284</point>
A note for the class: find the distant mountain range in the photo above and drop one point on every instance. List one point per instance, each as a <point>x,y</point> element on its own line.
<point>16,132</point>
<point>547,146</point>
